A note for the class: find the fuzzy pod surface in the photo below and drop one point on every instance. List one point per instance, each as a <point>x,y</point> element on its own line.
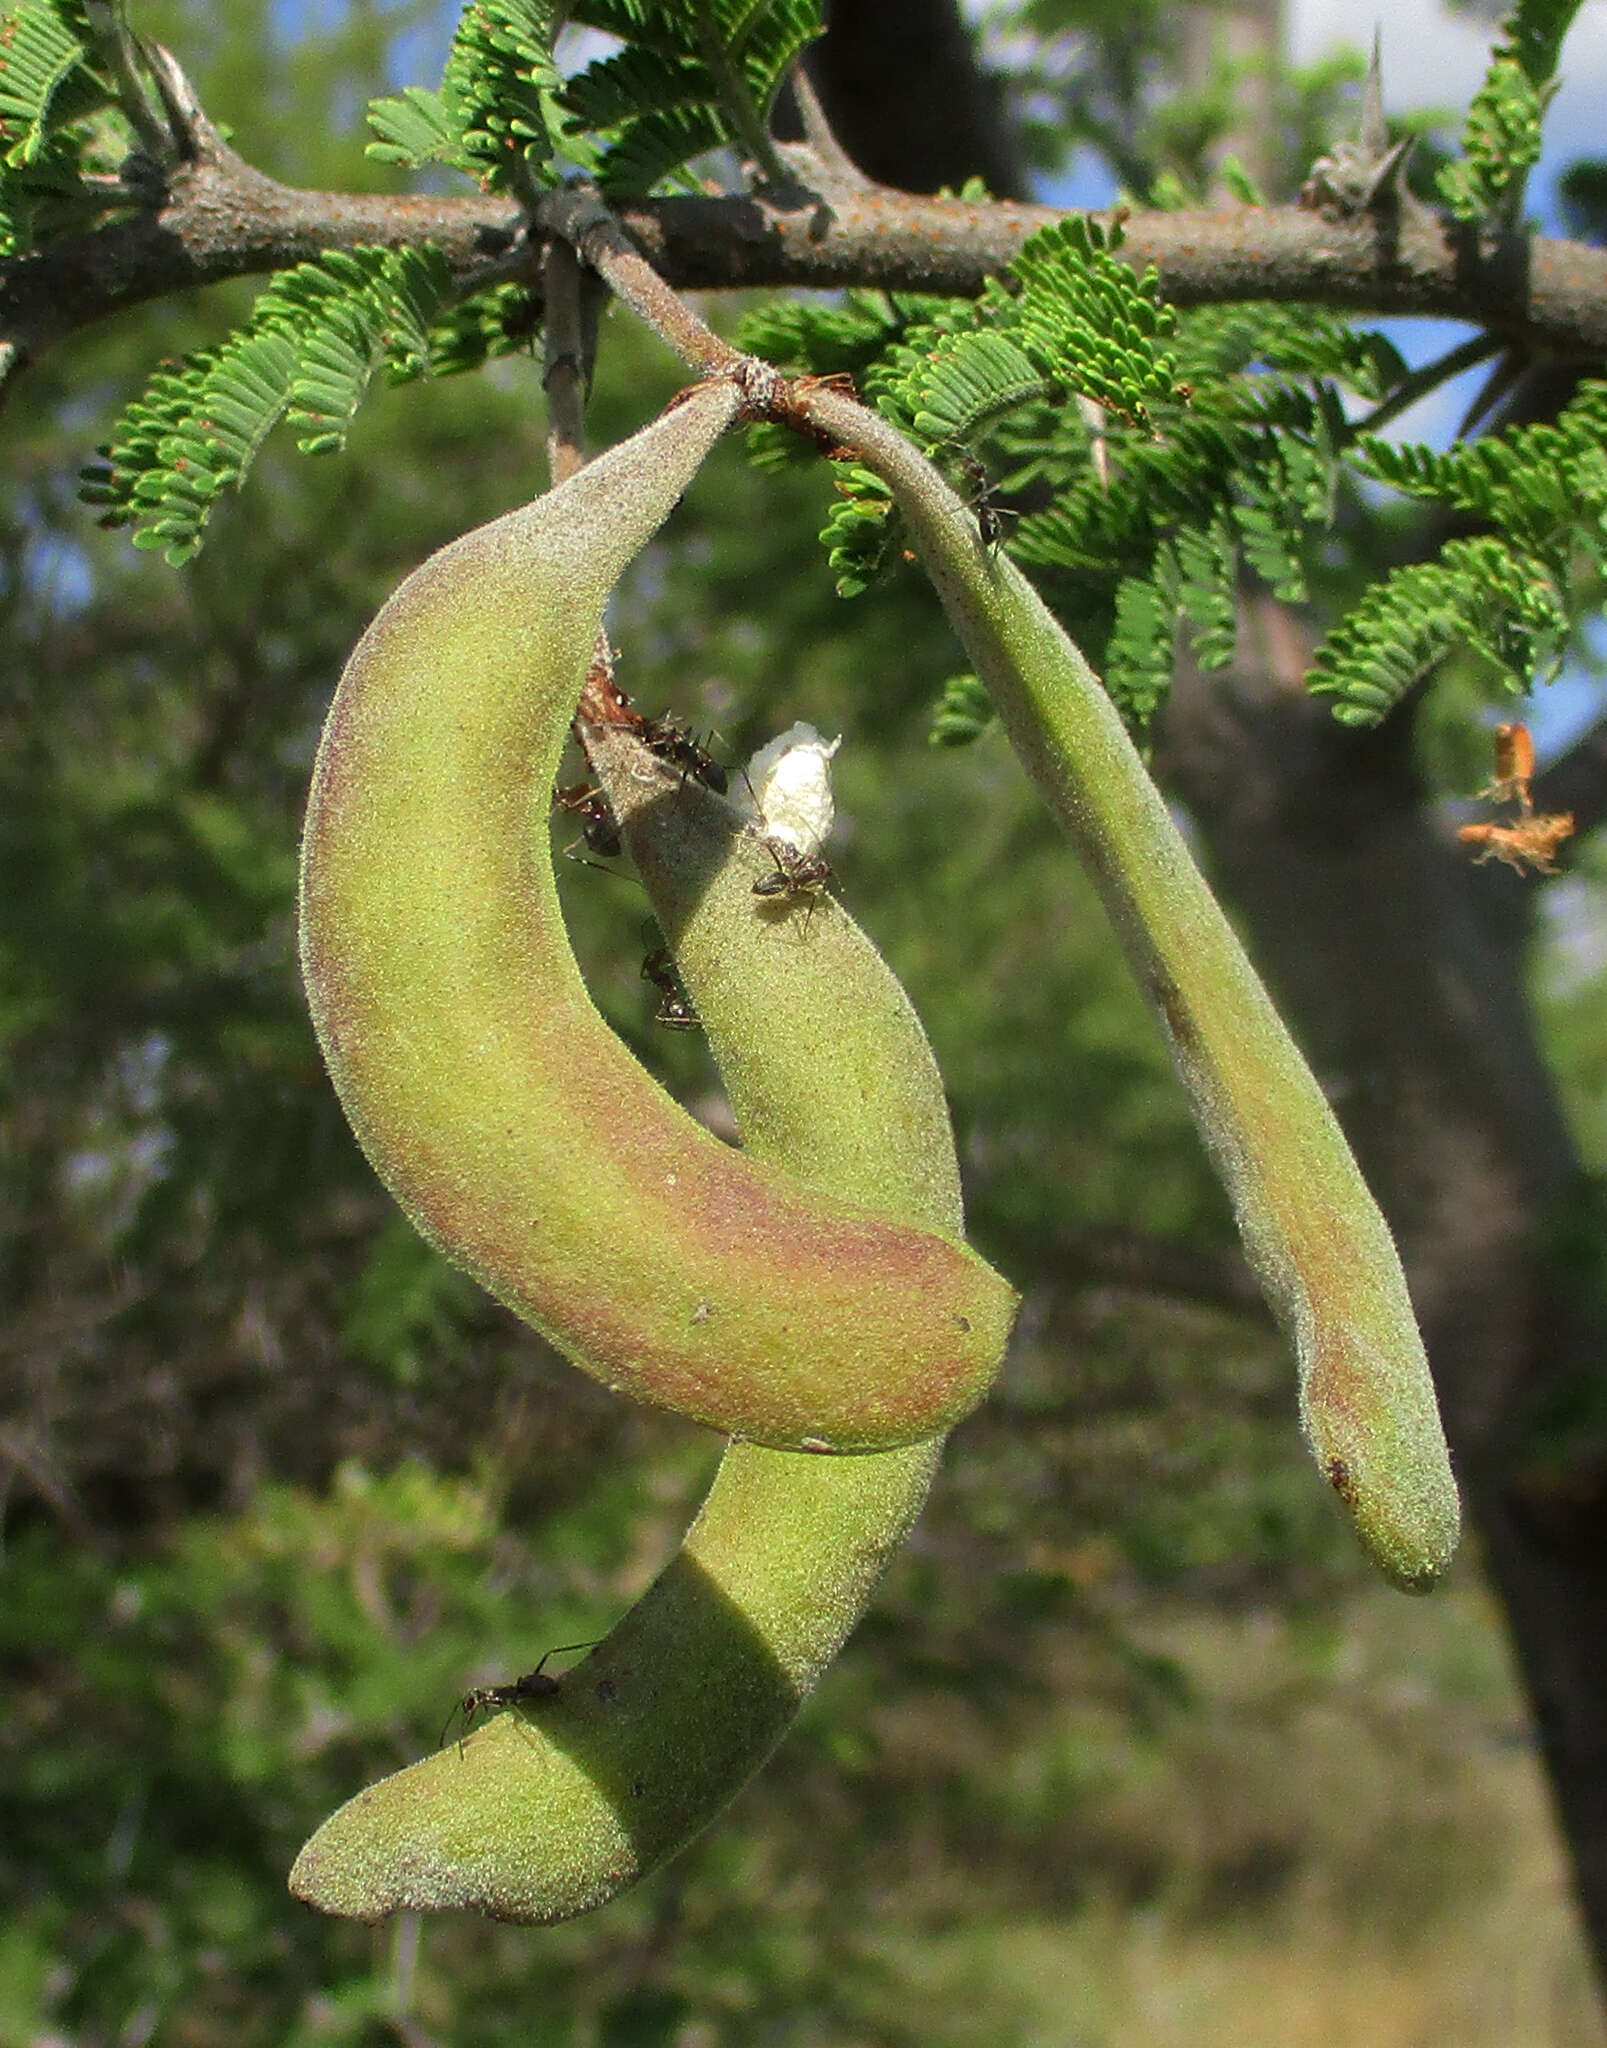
<point>554,1809</point>
<point>1311,1228</point>
<point>516,1131</point>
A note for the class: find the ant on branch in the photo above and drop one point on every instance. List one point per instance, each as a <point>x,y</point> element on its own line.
<point>675,1010</point>
<point>514,1692</point>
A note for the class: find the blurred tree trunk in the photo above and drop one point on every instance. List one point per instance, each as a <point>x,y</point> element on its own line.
<point>1400,966</point>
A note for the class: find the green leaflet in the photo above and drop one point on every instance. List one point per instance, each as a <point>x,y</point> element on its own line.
<point>694,75</point>
<point>691,78</point>
<point>1501,137</point>
<point>497,115</point>
<point>1545,486</point>
<point>1174,450</point>
<point>317,336</point>
<point>49,89</point>
<point>1480,593</point>
<point>1513,595</point>
<point>47,80</point>
<point>964,712</point>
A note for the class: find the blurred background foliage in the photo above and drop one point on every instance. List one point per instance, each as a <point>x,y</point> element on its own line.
<point>1131,1749</point>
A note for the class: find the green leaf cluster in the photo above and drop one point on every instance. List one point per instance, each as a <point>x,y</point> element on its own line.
<point>316,338</point>
<point>964,712</point>
<point>1501,136</point>
<point>498,113</point>
<point>694,75</point>
<point>1511,595</point>
<point>691,76</point>
<point>1158,459</point>
<point>1153,456</point>
<point>53,97</point>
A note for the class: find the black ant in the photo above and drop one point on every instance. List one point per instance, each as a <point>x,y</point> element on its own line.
<point>797,874</point>
<point>674,1010</point>
<point>990,516</point>
<point>671,741</point>
<point>535,1685</point>
<point>597,825</point>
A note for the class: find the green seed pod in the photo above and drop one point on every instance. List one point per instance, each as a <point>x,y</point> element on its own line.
<point>513,1127</point>
<point>554,1809</point>
<point>1312,1231</point>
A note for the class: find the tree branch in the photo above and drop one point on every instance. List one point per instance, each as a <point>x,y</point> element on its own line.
<point>224,219</point>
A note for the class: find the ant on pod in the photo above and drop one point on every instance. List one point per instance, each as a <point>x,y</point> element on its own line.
<point>672,741</point>
<point>674,1010</point>
<point>597,826</point>
<point>797,875</point>
<point>991,517</point>
<point>513,1692</point>
<point>789,794</point>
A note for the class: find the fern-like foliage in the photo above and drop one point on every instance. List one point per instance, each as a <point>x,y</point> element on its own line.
<point>1501,137</point>
<point>46,78</point>
<point>1156,458</point>
<point>316,338</point>
<point>964,713</point>
<point>1511,596</point>
<point>1479,594</point>
<point>1160,460</point>
<point>51,90</point>
<point>694,75</point>
<point>497,114</point>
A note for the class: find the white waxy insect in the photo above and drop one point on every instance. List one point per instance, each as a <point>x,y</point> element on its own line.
<point>789,789</point>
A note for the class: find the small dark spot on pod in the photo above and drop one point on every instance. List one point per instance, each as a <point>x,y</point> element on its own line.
<point>1340,1480</point>
<point>964,1322</point>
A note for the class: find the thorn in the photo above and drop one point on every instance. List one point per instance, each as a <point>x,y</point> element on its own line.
<point>1507,368</point>
<point>1373,135</point>
<point>1357,176</point>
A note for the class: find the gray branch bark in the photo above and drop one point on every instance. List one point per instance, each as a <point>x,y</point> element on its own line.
<point>224,219</point>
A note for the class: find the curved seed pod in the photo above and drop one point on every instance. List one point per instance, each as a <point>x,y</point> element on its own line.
<point>555,1809</point>
<point>1311,1229</point>
<point>513,1127</point>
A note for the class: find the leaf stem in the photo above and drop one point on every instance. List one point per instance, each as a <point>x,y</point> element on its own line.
<point>1478,348</point>
<point>739,102</point>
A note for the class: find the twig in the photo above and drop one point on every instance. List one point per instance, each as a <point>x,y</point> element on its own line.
<point>566,374</point>
<point>1477,349</point>
<point>191,133</point>
<point>580,216</point>
<point>117,49</point>
<point>827,150</point>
